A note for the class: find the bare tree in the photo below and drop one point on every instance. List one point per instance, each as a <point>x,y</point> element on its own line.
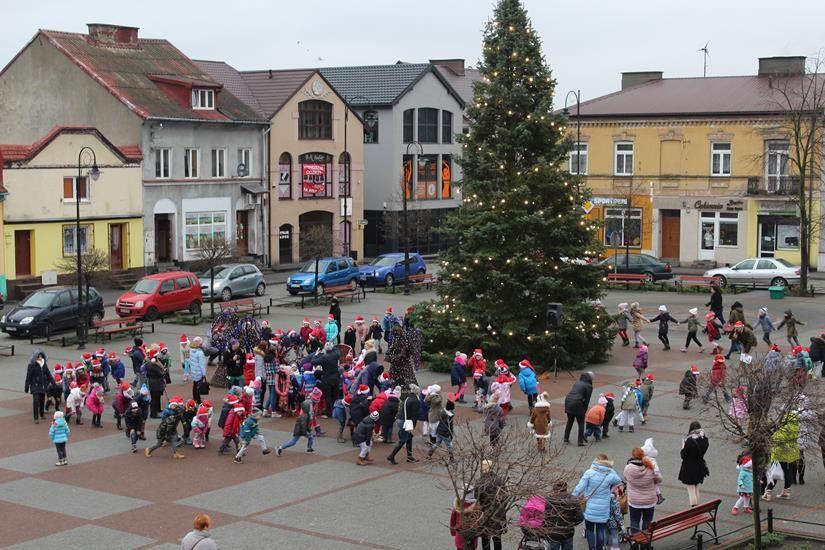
<point>774,392</point>
<point>91,264</point>
<point>421,223</point>
<point>212,251</point>
<point>318,241</point>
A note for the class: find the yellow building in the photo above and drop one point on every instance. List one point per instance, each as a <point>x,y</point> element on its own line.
<point>703,162</point>
<point>40,208</point>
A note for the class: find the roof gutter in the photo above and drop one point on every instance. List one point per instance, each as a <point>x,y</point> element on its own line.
<point>208,121</point>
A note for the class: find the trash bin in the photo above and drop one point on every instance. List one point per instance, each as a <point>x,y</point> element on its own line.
<point>777,292</point>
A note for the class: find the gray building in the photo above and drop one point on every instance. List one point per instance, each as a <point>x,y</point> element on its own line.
<point>203,154</point>
<point>411,116</point>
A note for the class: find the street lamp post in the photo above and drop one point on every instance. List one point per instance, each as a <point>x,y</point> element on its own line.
<point>406,227</point>
<point>93,173</point>
<point>348,174</point>
<point>578,95</point>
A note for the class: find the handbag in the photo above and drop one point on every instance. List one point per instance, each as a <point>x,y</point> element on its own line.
<point>203,386</point>
<point>408,424</point>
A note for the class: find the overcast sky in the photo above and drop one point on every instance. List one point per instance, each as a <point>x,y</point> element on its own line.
<point>587,43</point>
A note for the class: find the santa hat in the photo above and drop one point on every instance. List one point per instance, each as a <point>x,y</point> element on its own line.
<point>502,366</point>
<point>374,415</point>
<point>58,378</point>
<point>796,350</point>
<point>184,339</point>
<point>410,309</point>
<point>125,387</point>
<point>58,369</point>
<point>317,322</point>
<point>710,316</point>
<point>100,352</point>
<point>331,317</point>
<point>638,383</point>
<point>231,398</point>
<point>719,358</point>
<point>128,350</point>
<point>264,323</point>
<point>739,324</point>
<point>359,319</point>
<point>477,352</point>
<point>694,369</point>
<point>389,310</point>
<point>525,364</point>
<point>305,321</point>
<point>648,449</point>
<point>610,395</point>
<point>375,319</point>
<point>250,359</point>
<point>190,403</point>
<point>347,401</point>
<point>152,353</point>
<point>279,333</point>
<point>693,311</point>
<point>602,400</point>
<point>316,394</point>
<point>649,377</point>
<point>207,403</point>
<point>745,461</point>
<point>384,376</point>
<point>239,410</point>
<point>112,356</point>
<point>87,356</point>
<point>274,342</point>
<point>363,390</point>
<point>95,363</point>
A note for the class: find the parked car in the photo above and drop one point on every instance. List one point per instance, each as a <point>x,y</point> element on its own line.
<point>639,264</point>
<point>233,280</point>
<point>335,271</point>
<point>50,310</point>
<point>388,269</point>
<point>757,271</point>
<point>161,293</point>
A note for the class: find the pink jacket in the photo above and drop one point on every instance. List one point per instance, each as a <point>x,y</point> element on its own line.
<point>502,385</point>
<point>94,401</point>
<point>641,484</point>
<point>738,408</point>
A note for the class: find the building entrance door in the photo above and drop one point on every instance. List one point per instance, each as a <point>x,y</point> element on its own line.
<point>242,241</point>
<point>22,253</point>
<point>767,239</point>
<point>670,233</point>
<point>116,237</point>
<point>285,244</point>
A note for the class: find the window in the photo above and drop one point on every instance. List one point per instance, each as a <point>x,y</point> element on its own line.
<point>776,166</point>
<point>183,282</point>
<point>314,120</point>
<point>408,125</point>
<point>446,127</point>
<point>204,225</point>
<point>625,224</point>
<point>446,176</point>
<point>728,229</point>
<point>578,159</point>
<point>245,158</point>
<point>316,175</point>
<point>70,239</point>
<point>344,175</point>
<point>426,184</point>
<point>765,264</point>
<point>64,299</point>
<point>163,159</point>
<point>191,163</point>
<point>203,99</point>
<point>69,189</point>
<point>719,229</point>
<point>624,158</point>
<point>787,236</point>
<point>428,125</point>
<point>285,176</point>
<point>720,159</point>
<point>218,163</point>
<point>167,286</point>
<point>370,127</point>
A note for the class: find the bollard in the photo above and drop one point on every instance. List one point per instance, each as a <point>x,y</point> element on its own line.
<point>699,542</point>
<point>770,520</point>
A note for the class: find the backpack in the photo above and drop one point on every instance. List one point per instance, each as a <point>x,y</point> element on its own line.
<point>532,513</point>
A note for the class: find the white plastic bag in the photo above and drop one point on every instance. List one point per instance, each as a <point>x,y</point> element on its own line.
<point>745,358</point>
<point>774,473</point>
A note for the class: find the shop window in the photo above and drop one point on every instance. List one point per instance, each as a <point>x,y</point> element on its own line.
<point>426,184</point>
<point>720,159</point>
<point>728,229</point>
<point>719,229</point>
<point>776,166</point>
<point>316,175</point>
<point>787,237</point>
<point>371,127</point>
<point>70,239</point>
<point>408,125</point>
<point>285,176</point>
<point>69,188</point>
<point>314,120</point>
<point>344,174</point>
<point>446,176</point>
<point>578,159</point>
<point>623,227</point>
<point>201,226</point>
<point>446,127</point>
<point>624,158</point>
<point>427,125</point>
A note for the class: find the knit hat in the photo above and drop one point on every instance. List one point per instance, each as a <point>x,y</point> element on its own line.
<point>602,400</point>
<point>648,449</point>
<point>623,306</point>
<point>363,389</point>
<point>58,414</point>
<point>144,390</point>
<point>239,409</point>
<point>395,392</point>
<point>413,389</point>
<point>374,415</point>
<point>663,308</point>
<point>134,405</point>
<point>693,311</point>
<point>435,388</point>
<point>638,383</point>
<point>256,413</point>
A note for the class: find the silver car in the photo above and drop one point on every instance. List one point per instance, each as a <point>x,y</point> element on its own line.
<point>233,280</point>
<point>757,271</point>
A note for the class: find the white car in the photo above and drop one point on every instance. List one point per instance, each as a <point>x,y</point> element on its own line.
<point>757,271</point>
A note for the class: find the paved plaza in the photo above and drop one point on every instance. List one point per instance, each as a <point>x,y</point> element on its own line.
<point>110,498</point>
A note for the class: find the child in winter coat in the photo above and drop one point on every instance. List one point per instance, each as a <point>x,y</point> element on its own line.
<point>477,366</point>
<point>494,419</point>
<point>664,318</point>
<point>458,519</point>
<point>622,319</point>
<point>764,322</point>
<point>435,403</point>
<point>638,321</point>
<point>94,402</point>
<point>249,369</point>
<point>615,521</point>
<point>693,327</point>
<point>717,378</point>
<point>744,486</point>
<point>122,402</point>
<point>595,418</point>
<point>609,413</point>
<point>351,337</point>
<point>458,375</point>
<point>640,362</point>
<point>339,413</point>
<point>331,329</point>
<point>201,423</point>
<point>144,400</point>
<point>539,422</point>
<point>647,395</point>
<point>791,323</point>
<point>308,378</point>
<point>250,431</point>
<point>232,428</point>
<point>167,431</point>
<point>424,414</point>
<point>387,413</point>
<point>359,408</point>
<point>528,382</point>
<point>187,416</point>
<point>738,406</point>
<point>118,371</point>
<point>375,333</point>
<point>361,331</point>
<point>301,429</point>
<point>134,424</point>
<point>483,391</point>
<point>631,407</point>
<point>363,438</point>
<point>184,356</point>
<point>54,389</point>
<point>688,386</point>
<point>503,382</point>
<point>74,403</point>
<point>59,434</point>
<point>444,433</point>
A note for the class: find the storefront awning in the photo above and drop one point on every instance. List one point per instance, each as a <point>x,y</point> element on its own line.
<point>254,189</point>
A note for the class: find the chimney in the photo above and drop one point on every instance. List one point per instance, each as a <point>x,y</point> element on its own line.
<point>113,35</point>
<point>635,78</point>
<point>455,65</point>
<point>782,66</point>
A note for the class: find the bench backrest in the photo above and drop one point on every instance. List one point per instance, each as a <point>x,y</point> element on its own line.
<point>695,278</point>
<point>241,302</point>
<point>678,517</point>
<point>339,288</point>
<point>630,276</point>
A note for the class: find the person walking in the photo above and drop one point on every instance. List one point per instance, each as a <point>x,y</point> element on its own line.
<point>38,379</point>
<point>562,513</point>
<point>576,403</point>
<point>539,422</point>
<point>694,470</point>
<point>785,451</point>
<point>638,322</point>
<point>492,498</point>
<point>197,366</point>
<point>642,478</point>
<point>595,486</point>
<point>405,422</point>
<point>715,302</point>
<point>199,537</point>
<point>330,376</point>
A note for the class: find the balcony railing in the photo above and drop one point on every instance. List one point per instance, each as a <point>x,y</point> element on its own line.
<point>773,185</point>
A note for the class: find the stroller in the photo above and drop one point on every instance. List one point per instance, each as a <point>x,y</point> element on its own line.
<point>530,519</point>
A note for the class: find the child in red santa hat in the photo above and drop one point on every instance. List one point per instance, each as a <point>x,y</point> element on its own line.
<point>232,428</point>
<point>361,330</point>
<point>201,423</point>
<point>504,380</point>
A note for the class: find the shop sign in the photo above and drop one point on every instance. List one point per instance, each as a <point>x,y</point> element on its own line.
<point>732,205</point>
<point>779,207</point>
<point>609,201</point>
<point>313,178</point>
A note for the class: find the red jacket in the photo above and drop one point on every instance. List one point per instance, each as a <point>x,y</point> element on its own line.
<point>232,426</point>
<point>246,401</point>
<point>477,366</point>
<point>248,373</point>
<point>717,373</point>
<point>470,517</point>
<point>319,334</point>
<point>304,332</point>
<point>378,402</point>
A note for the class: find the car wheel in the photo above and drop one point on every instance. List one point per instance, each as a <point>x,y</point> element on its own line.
<point>96,317</point>
<point>779,281</point>
<point>389,280</point>
<point>649,278</point>
<point>293,292</point>
<point>226,294</point>
<point>151,314</point>
<point>721,280</point>
<point>319,289</point>
<point>353,284</point>
<point>195,308</point>
<point>260,290</point>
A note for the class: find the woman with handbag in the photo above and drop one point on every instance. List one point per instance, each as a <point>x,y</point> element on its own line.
<point>642,477</point>
<point>694,470</point>
<point>595,488</point>
<point>197,369</point>
<point>405,421</point>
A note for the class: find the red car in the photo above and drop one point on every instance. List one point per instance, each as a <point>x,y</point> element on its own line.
<point>161,293</point>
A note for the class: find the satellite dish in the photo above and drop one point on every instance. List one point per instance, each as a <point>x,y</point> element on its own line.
<point>243,170</point>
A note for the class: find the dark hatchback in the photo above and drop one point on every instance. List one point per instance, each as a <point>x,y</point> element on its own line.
<point>638,264</point>
<point>50,310</point>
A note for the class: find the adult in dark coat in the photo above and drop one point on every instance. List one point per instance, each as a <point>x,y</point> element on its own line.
<point>715,303</point>
<point>330,375</point>
<point>562,514</point>
<point>156,380</point>
<point>38,378</point>
<point>407,410</point>
<point>694,470</point>
<point>576,404</point>
<point>335,311</point>
<point>138,357</point>
<point>491,495</point>
<point>374,370</point>
<point>817,353</point>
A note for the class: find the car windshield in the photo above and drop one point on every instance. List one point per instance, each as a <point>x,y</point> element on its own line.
<point>309,267</point>
<point>39,300</point>
<point>383,261</point>
<point>146,286</point>
<point>221,272</point>
<point>783,262</point>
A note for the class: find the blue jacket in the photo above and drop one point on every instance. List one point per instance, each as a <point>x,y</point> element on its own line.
<point>309,380</point>
<point>197,364</point>
<point>249,429</point>
<point>331,328</point>
<point>59,431</point>
<point>118,369</point>
<point>527,381</point>
<point>423,408</point>
<point>339,412</point>
<point>744,483</point>
<point>458,374</point>
<point>595,486</point>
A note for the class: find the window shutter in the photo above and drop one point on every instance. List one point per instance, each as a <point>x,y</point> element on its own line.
<point>68,191</point>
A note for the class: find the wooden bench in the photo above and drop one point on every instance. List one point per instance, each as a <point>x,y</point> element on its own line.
<point>701,518</point>
<point>244,305</point>
<point>694,280</point>
<point>427,279</point>
<point>627,279</point>
<point>104,328</point>
<point>342,291</point>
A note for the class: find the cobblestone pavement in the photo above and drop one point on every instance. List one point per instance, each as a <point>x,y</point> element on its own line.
<point>110,498</point>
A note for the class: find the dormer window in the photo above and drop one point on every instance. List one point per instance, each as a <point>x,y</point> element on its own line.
<point>203,99</point>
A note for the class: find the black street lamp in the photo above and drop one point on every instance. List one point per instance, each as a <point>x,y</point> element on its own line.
<point>93,173</point>
<point>578,95</point>
<point>348,174</point>
<point>413,164</point>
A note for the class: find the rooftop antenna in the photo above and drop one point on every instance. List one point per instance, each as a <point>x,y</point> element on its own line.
<point>705,52</point>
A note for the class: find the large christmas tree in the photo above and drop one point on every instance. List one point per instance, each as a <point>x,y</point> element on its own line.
<point>521,233</point>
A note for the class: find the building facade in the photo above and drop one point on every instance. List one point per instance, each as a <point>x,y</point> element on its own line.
<point>702,163</point>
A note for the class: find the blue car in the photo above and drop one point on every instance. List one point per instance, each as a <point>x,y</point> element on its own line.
<point>335,271</point>
<point>388,269</point>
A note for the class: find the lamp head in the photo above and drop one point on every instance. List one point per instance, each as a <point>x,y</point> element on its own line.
<point>94,172</point>
<point>565,111</point>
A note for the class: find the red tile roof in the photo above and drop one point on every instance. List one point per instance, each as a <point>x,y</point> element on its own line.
<point>18,153</point>
<point>131,74</point>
